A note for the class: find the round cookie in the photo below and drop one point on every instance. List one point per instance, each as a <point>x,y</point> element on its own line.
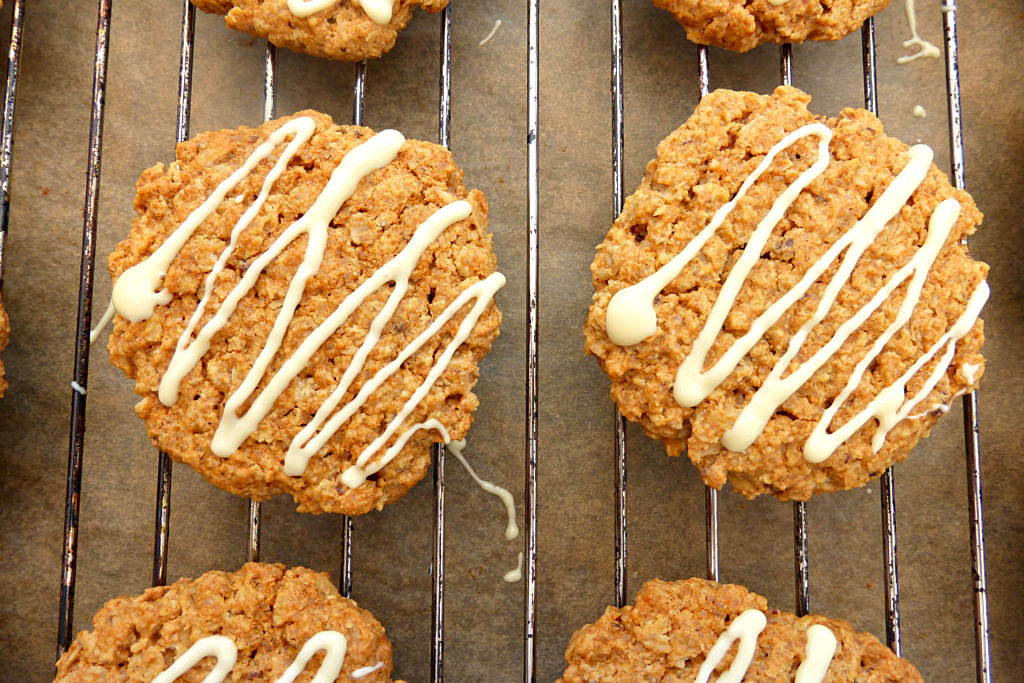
<point>293,394</point>
<point>741,26</point>
<point>266,611</point>
<point>792,367</point>
<point>343,29</point>
<point>670,632</point>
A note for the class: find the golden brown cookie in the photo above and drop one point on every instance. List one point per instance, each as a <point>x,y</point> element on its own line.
<point>761,361</point>
<point>356,400</point>
<point>741,26</point>
<point>342,30</point>
<point>266,611</point>
<point>670,632</point>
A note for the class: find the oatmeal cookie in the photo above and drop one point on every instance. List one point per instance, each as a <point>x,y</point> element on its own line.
<point>787,297</point>
<point>741,26</point>
<point>669,634</point>
<point>266,383</point>
<point>342,30</point>
<point>266,611</point>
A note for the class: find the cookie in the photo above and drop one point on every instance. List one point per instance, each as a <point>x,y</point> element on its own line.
<point>349,30</point>
<point>741,26</point>
<point>251,624</point>
<point>5,333</point>
<point>302,307</point>
<point>684,631</point>
<point>787,297</point>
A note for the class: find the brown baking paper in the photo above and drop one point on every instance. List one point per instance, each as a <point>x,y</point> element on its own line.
<point>393,548</point>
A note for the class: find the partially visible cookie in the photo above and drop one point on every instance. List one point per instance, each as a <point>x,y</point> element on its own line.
<point>5,332</point>
<point>741,26</point>
<point>287,390</point>
<point>674,626</point>
<point>343,29</point>
<point>267,612</point>
<point>787,297</point>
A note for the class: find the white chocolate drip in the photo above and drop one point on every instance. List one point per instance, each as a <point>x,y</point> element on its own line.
<point>108,315</point>
<point>223,648</point>
<point>511,529</point>
<point>924,48</point>
<point>777,3</point>
<point>364,671</point>
<point>136,293</point>
<point>333,644</point>
<point>821,647</point>
<point>745,628</point>
<point>513,575</point>
<point>379,11</point>
<point>631,316</point>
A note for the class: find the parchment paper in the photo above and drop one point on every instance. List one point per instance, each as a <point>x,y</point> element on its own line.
<point>392,550</point>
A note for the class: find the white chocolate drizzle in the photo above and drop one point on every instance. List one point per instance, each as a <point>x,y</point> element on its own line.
<point>379,11</point>
<point>224,649</point>
<point>745,628</point>
<point>511,529</point>
<point>364,671</point>
<point>137,292</point>
<point>821,647</point>
<point>631,316</point>
<point>513,575</point>
<point>220,647</point>
<point>924,48</point>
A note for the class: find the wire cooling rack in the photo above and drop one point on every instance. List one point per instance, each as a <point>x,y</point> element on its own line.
<point>888,495</point>
<point>162,508</point>
<point>163,496</point>
<point>7,130</point>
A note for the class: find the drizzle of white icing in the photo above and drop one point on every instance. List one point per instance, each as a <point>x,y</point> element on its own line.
<point>513,575</point>
<point>821,647</point>
<point>511,529</point>
<point>970,371</point>
<point>223,648</point>
<point>631,316</point>
<point>920,111</point>
<point>108,315</point>
<point>924,48</point>
<point>494,29</point>
<point>333,644</point>
<point>746,628</point>
<point>137,293</point>
<point>777,3</point>
<point>379,11</point>
<point>364,671</point>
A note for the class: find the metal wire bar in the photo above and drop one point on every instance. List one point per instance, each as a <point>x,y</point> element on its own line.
<point>345,574</point>
<point>710,494</point>
<point>252,550</point>
<point>972,445</point>
<point>7,130</point>
<point>444,122</point>
<point>532,339</point>
<point>81,372</point>
<point>800,560</point>
<point>162,525</point>
<point>618,133</point>
<point>887,485</point>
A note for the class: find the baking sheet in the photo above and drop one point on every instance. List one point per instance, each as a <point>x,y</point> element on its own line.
<point>392,549</point>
